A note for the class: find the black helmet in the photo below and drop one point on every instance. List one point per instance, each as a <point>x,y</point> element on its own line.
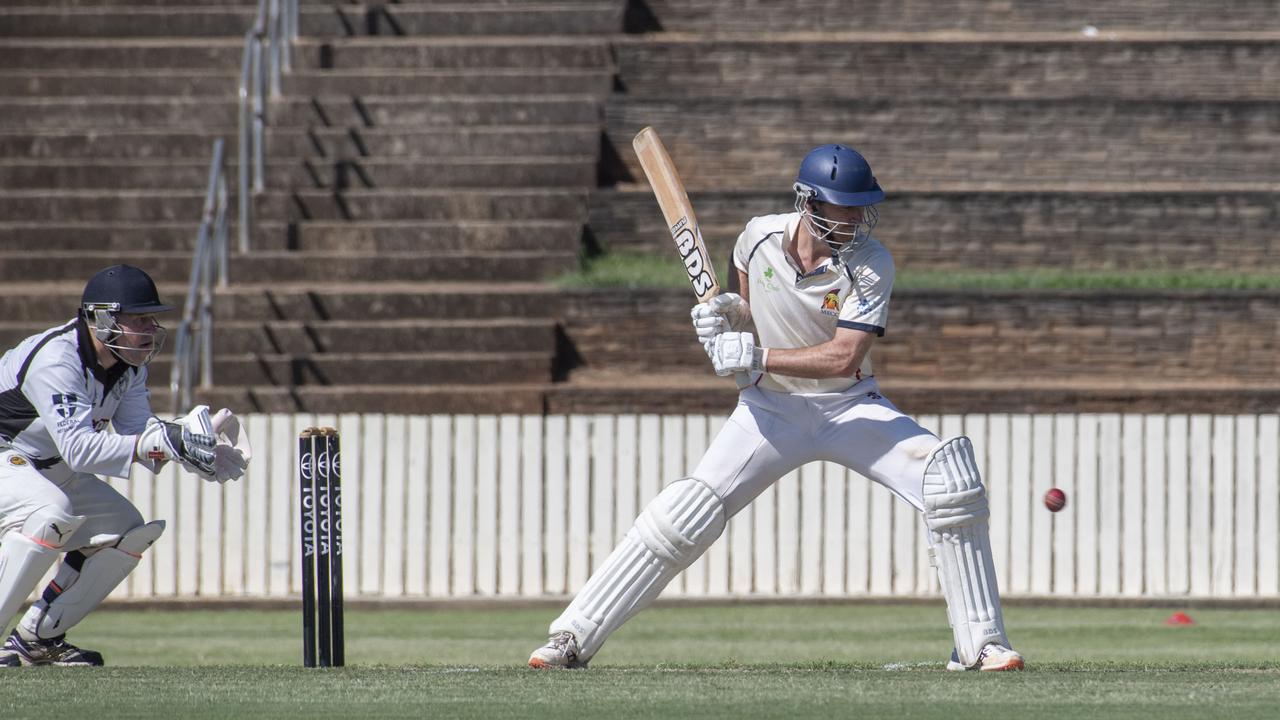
<point>122,289</point>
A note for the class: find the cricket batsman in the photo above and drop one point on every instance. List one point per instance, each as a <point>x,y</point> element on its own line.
<point>815,284</point>
<point>74,404</point>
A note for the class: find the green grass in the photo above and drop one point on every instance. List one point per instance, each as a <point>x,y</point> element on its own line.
<point>753,661</point>
<point>1051,279</point>
<point>627,270</point>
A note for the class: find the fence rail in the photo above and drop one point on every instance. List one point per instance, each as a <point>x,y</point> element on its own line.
<point>525,506</point>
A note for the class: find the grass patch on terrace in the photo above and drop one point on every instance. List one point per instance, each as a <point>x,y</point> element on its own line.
<point>634,271</point>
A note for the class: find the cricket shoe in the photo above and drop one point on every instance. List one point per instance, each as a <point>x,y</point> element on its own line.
<point>54,651</point>
<point>560,653</point>
<point>993,657</point>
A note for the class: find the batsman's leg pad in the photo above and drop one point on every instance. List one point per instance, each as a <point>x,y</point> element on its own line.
<point>672,531</point>
<point>955,513</point>
<point>27,553</point>
<point>86,578</point>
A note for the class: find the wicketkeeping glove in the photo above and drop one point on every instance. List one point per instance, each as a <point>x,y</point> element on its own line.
<point>232,453</point>
<point>733,352</point>
<point>161,440</point>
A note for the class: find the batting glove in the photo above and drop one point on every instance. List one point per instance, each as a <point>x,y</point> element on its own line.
<point>734,352</point>
<point>722,313</point>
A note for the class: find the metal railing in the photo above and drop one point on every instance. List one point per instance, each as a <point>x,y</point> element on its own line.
<point>267,53</point>
<point>193,348</point>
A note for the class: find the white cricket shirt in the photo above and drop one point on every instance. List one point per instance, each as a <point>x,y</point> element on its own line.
<point>793,310</point>
<point>56,402</point>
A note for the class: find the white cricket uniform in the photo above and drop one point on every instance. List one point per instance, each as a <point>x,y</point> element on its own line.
<point>56,402</point>
<point>784,422</point>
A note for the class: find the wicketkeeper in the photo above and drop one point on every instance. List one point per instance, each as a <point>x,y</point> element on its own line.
<point>74,405</point>
<point>816,286</point>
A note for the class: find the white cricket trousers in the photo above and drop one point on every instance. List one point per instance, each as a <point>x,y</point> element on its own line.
<point>23,489</point>
<point>770,434</point>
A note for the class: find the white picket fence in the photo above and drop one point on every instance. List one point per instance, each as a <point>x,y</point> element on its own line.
<point>525,506</point>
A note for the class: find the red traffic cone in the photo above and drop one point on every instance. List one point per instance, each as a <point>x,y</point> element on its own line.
<point>1179,618</point>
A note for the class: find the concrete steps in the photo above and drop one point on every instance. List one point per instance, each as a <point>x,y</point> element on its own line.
<point>218,54</point>
<point>113,144</point>
<point>409,204</point>
<point>224,82</point>
<point>1073,144</point>
<point>106,113</point>
<point>494,172</point>
<point>416,398</point>
<point>47,304</point>
<point>318,267</point>
<point>294,142</point>
<point>439,110</point>
<point>865,67</point>
<point>353,205</point>
<point>374,368</point>
<point>877,16</point>
<point>151,19</point>
<point>298,338</point>
<point>479,235</point>
<point>221,53</point>
<point>122,83</point>
<point>385,265</point>
<point>459,52</point>
<point>524,235</point>
<point>1195,228</point>
<point>951,336</point>
<point>429,143</point>
<point>692,391</point>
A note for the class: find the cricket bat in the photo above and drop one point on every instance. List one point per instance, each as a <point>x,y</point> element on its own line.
<point>678,211</point>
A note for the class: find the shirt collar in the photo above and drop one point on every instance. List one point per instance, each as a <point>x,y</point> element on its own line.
<point>793,225</point>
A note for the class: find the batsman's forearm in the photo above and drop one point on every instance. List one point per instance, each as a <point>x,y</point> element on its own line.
<point>818,362</point>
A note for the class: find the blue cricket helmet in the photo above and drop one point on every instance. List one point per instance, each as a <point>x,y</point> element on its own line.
<point>838,175</point>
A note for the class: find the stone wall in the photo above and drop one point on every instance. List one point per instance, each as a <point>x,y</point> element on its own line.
<point>915,144</point>
<point>1162,341</point>
<point>935,15</point>
<point>997,231</point>
<point>854,67</point>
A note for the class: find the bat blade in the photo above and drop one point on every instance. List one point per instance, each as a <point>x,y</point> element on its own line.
<point>668,188</point>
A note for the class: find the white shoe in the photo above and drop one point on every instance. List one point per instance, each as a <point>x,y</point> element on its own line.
<point>560,653</point>
<point>993,657</point>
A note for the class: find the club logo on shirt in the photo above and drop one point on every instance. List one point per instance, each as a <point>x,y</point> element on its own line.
<point>65,404</point>
<point>768,284</point>
<point>831,303</point>
<point>17,460</point>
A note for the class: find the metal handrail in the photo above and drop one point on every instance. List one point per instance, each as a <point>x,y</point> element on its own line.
<point>274,30</point>
<point>194,342</point>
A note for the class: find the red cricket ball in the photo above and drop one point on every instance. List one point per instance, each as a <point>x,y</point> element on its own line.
<point>1055,499</point>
